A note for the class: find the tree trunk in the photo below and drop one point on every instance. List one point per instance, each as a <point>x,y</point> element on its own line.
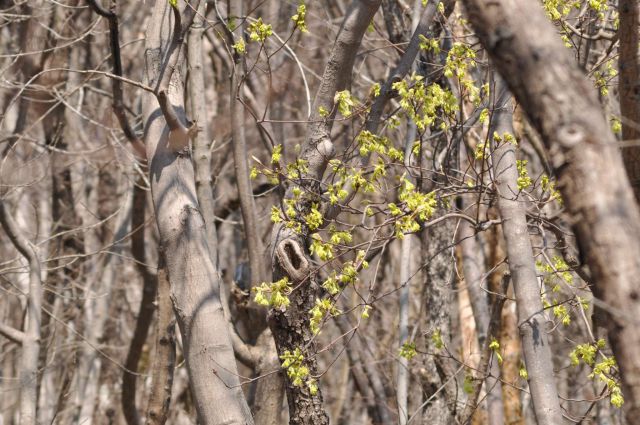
<point>629,89</point>
<point>165,354</point>
<point>30,337</point>
<point>241,161</point>
<point>562,106</point>
<point>532,322</point>
<point>147,307</point>
<point>194,279</point>
<point>290,257</point>
<point>473,270</point>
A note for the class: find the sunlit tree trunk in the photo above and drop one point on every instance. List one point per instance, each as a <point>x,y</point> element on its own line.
<point>194,280</point>
<point>532,322</point>
<point>562,106</point>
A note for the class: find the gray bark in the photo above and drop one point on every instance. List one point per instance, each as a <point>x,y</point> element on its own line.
<point>194,279</point>
<point>241,163</point>
<point>438,299</point>
<point>202,141</point>
<point>531,319</point>
<point>30,337</point>
<point>563,107</point>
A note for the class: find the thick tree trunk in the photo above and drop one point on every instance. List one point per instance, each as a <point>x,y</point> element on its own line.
<point>562,106</point>
<point>194,280</point>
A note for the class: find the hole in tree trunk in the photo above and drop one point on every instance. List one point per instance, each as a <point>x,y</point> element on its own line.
<point>292,253</point>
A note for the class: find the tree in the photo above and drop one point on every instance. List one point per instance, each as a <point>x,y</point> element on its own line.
<point>340,203</point>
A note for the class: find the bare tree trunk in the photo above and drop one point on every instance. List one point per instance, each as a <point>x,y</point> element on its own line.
<point>269,390</point>
<point>147,307</point>
<point>402,377</point>
<point>438,299</point>
<point>562,106</point>
<point>194,279</point>
<point>30,337</point>
<point>509,341</point>
<point>531,319</point>
<point>241,160</point>
<point>629,89</point>
<point>202,141</point>
<point>165,354</point>
<point>473,268</point>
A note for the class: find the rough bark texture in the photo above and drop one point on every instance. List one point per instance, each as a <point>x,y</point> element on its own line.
<point>562,106</point>
<point>195,283</point>
<point>165,354</point>
<point>291,330</point>
<point>290,257</point>
<point>438,299</point>
<point>531,320</point>
<point>629,89</point>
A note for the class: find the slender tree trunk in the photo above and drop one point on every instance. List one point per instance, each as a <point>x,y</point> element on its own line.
<point>30,337</point>
<point>241,160</point>
<point>438,299</point>
<point>202,141</point>
<point>531,320</point>
<point>193,276</point>
<point>402,378</point>
<point>147,307</point>
<point>165,354</point>
<point>473,268</point>
<point>562,106</point>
